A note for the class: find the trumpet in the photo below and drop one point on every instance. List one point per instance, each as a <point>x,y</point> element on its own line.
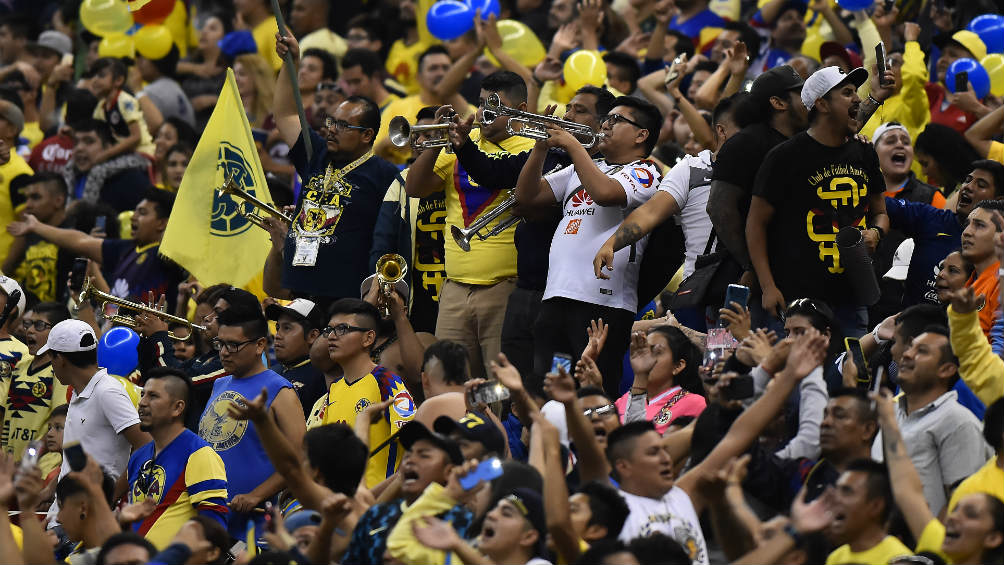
<point>230,187</point>
<point>534,126</point>
<point>401,134</point>
<point>390,269</point>
<point>89,291</point>
<point>463,236</point>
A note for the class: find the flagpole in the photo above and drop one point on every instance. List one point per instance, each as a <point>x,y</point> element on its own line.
<point>291,71</point>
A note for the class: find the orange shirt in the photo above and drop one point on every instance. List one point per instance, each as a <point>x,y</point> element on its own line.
<point>987,284</point>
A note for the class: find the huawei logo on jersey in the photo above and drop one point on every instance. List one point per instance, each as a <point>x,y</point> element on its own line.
<point>581,198</point>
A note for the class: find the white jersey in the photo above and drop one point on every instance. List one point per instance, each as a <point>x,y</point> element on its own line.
<point>673,515</point>
<point>689,183</point>
<point>585,226</point>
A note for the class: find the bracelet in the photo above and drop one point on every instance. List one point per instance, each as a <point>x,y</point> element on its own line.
<point>872,98</point>
<point>794,534</point>
<point>880,231</point>
<point>876,337</point>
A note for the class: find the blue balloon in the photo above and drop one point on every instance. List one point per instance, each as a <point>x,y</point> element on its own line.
<point>449,19</point>
<point>855,5</point>
<point>990,28</point>
<point>487,7</point>
<point>978,76</point>
<point>117,351</point>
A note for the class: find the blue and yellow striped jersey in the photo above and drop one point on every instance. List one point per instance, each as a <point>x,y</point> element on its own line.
<point>346,401</point>
<point>186,478</point>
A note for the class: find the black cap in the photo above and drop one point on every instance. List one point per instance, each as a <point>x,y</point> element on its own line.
<point>414,431</point>
<point>474,426</point>
<point>530,504</point>
<point>775,82</point>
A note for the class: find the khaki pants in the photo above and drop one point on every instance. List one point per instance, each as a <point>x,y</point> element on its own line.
<point>473,315</point>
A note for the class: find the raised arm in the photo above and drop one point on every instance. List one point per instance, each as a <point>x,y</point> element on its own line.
<point>284,112</point>
<point>556,508</point>
<point>532,191</point>
<point>593,465</point>
<point>76,242</point>
<point>907,488</point>
<point>422,179</point>
<point>980,135</point>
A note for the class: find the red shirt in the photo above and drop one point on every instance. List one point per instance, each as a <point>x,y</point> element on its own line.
<point>987,284</point>
<point>950,115</point>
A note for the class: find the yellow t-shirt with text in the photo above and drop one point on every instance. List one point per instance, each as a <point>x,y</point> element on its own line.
<point>494,259</point>
<point>880,554</point>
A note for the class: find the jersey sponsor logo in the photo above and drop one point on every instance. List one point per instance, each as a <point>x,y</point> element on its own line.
<point>217,427</point>
<point>643,176</point>
<point>403,404</point>
<point>581,198</point>
<point>573,226</point>
<point>228,217</point>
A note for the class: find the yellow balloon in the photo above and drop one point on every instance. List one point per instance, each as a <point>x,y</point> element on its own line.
<point>584,67</point>
<point>153,41</point>
<point>177,23</point>
<point>118,45</point>
<point>994,64</point>
<point>105,17</point>
<point>520,42</point>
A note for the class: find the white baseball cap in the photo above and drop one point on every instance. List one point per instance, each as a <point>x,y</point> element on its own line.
<point>70,336</point>
<point>900,261</point>
<point>9,285</point>
<point>826,79</point>
<point>298,308</point>
<point>887,127</point>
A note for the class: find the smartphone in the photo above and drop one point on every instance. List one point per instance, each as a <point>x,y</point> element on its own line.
<point>737,293</point>
<point>485,471</point>
<point>74,453</point>
<point>674,69</point>
<point>77,273</point>
<point>961,81</point>
<point>739,388</point>
<point>31,454</point>
<point>562,360</point>
<point>489,392</point>
<point>100,223</point>
<point>880,61</point>
<point>853,347</point>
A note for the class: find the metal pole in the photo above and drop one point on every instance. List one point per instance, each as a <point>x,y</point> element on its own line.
<point>291,71</point>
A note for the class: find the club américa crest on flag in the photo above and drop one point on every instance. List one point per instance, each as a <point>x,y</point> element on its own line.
<point>228,213</point>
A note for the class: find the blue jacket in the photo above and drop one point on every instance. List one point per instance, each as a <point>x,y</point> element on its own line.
<point>935,233</point>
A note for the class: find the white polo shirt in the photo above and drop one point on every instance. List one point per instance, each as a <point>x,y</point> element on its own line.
<point>96,417</point>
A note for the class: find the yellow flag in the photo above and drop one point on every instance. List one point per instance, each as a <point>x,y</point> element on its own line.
<point>207,234</point>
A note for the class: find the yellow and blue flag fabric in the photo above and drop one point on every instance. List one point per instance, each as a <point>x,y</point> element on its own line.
<point>208,233</point>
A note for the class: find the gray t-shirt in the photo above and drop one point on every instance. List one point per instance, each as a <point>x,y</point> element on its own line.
<point>170,99</point>
<point>945,442</point>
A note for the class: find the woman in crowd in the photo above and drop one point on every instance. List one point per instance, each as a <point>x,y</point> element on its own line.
<point>204,70</point>
<point>945,157</point>
<point>255,83</point>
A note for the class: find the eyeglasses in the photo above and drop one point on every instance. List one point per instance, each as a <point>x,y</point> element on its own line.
<point>231,347</point>
<point>614,119</point>
<point>342,329</point>
<point>600,411</point>
<point>341,125</point>
<point>39,325</point>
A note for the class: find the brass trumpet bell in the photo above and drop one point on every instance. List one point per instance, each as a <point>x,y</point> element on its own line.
<point>88,292</point>
<point>231,188</point>
<point>390,269</point>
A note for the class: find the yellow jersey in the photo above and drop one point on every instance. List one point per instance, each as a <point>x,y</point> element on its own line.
<point>989,479</point>
<point>9,171</point>
<point>407,107</point>
<point>494,259</point>
<point>264,38</point>
<point>345,401</point>
<point>402,63</point>
<point>31,396</point>
<point>880,554</point>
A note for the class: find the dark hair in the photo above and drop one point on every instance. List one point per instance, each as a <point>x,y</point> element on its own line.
<point>125,538</point>
<point>727,108</point>
<point>19,25</point>
<point>80,104</point>
<point>179,384</point>
<point>373,26</point>
<point>54,312</point>
<point>604,98</point>
<point>993,424</point>
<point>747,35</point>
<point>252,322</point>
<point>329,67</point>
<point>60,410</point>
<point>370,117</point>
<point>967,266</point>
<point>454,358</point>
<point>621,442</point>
<point>817,311</point>
<point>684,44</point>
<point>367,61</point>
<point>996,171</point>
<point>646,114</point>
<point>658,548</point>
<point>168,64</point>
<point>99,127</point>
<point>360,308</point>
<point>162,200</point>
<point>53,182</point>
<point>607,507</point>
<point>591,391</point>
<point>186,133</point>
<point>996,510</point>
<point>226,18</point>
<point>600,550</point>
<point>115,65</point>
<point>239,299</point>
<point>180,148</point>
<point>508,83</point>
<point>866,413</point>
<point>996,205</point>
<point>215,534</point>
<point>433,50</point>
<point>950,150</point>
<point>426,113</point>
<point>79,359</point>
<point>878,484</point>
<point>627,63</point>
<point>211,294</point>
<point>68,486</point>
<point>912,321</point>
<point>340,456</point>
<point>683,350</point>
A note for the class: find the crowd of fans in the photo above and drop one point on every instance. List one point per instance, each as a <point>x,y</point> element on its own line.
<point>736,300</point>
